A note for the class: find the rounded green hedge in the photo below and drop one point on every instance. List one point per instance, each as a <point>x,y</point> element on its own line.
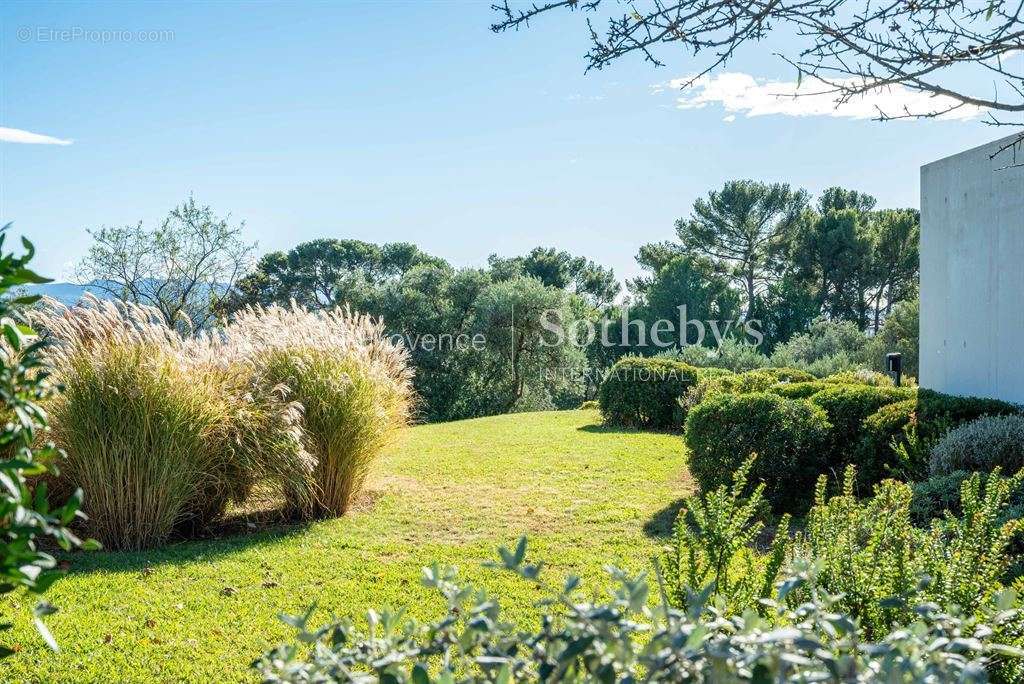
<point>788,435</point>
<point>932,413</point>
<point>797,390</point>
<point>760,380</point>
<point>847,407</point>
<point>644,392</point>
<point>736,383</point>
<point>713,372</point>
<point>938,412</point>
<point>785,374</point>
<point>728,383</point>
<point>860,377</point>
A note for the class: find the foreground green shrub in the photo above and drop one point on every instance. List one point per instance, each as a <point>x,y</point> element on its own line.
<point>847,407</point>
<point>644,392</point>
<point>789,437</point>
<point>980,446</point>
<point>626,639</point>
<point>164,431</point>
<point>869,551</point>
<point>27,517</point>
<point>712,545</point>
<point>353,384</point>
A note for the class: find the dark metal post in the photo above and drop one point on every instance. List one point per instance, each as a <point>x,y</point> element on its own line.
<point>894,364</point>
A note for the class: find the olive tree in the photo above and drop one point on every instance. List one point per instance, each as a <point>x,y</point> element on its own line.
<point>183,267</point>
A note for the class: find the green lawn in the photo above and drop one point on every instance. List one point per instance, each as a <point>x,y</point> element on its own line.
<point>202,611</point>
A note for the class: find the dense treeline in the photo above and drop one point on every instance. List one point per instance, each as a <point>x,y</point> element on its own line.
<point>474,334</point>
<point>758,274</point>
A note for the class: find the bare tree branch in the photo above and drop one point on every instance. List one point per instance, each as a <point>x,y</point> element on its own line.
<point>182,268</point>
<point>949,49</point>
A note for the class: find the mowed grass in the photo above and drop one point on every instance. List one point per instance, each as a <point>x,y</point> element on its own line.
<point>201,611</point>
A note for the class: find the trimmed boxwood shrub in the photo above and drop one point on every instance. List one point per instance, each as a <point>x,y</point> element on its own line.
<point>732,383</point>
<point>937,412</point>
<point>738,383</point>
<point>784,374</point>
<point>760,380</point>
<point>644,392</point>
<point>847,406</point>
<point>713,372</point>
<point>860,377</point>
<point>797,390</point>
<point>788,436</point>
<point>932,415</point>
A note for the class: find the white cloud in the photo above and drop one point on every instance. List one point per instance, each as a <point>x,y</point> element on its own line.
<point>729,119</point>
<point>16,135</point>
<point>744,94</point>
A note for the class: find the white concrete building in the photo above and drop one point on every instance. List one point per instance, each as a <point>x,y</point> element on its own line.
<point>972,274</point>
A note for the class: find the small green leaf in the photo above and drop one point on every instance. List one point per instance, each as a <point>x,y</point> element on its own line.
<point>420,675</point>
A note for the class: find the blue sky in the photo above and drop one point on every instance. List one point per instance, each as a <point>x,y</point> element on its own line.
<point>394,121</point>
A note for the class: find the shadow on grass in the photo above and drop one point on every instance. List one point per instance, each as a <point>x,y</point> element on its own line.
<point>659,526</point>
<point>603,428</point>
<point>232,534</point>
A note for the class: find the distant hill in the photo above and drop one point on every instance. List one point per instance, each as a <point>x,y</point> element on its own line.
<point>66,293</point>
<point>69,293</point>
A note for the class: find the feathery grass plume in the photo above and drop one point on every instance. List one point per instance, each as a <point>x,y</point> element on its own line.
<point>353,383</point>
<point>162,430</point>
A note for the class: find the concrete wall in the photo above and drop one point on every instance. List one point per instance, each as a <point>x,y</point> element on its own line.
<point>972,274</point>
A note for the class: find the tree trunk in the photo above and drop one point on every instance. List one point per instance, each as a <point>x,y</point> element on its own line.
<point>750,294</point>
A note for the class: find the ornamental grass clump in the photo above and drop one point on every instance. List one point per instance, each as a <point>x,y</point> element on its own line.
<point>353,383</point>
<point>162,430</point>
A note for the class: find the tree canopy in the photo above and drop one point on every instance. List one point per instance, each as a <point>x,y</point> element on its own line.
<point>324,272</point>
<point>183,267</point>
<point>562,270</point>
<point>789,261</point>
<point>743,228</point>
